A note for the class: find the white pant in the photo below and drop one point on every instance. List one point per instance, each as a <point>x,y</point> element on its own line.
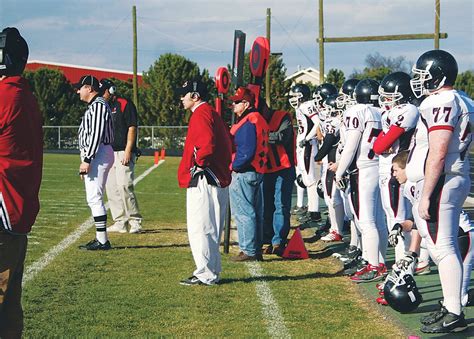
<point>333,199</point>
<point>206,208</point>
<point>96,178</point>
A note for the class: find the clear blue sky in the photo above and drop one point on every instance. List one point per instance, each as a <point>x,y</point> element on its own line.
<point>99,33</point>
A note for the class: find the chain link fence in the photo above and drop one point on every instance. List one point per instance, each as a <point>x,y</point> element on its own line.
<point>171,138</point>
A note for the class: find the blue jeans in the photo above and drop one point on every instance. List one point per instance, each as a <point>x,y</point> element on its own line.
<point>277,188</point>
<point>246,204</point>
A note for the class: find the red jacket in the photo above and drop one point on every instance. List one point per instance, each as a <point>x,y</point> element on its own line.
<point>207,145</point>
<point>21,155</point>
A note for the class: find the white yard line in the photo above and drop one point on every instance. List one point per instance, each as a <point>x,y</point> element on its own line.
<point>271,312</point>
<point>36,267</point>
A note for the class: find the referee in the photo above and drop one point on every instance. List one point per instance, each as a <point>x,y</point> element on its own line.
<point>97,156</point>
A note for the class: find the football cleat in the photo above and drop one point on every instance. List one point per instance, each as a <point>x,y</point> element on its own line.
<point>423,268</point>
<point>449,323</point>
<point>381,301</point>
<point>434,316</point>
<point>371,273</point>
<point>96,245</point>
<point>332,236</point>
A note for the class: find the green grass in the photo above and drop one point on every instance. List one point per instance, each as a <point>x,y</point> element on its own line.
<point>133,289</point>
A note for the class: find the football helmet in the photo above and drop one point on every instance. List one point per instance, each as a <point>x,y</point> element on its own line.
<point>401,292</point>
<point>299,93</point>
<point>330,108</point>
<point>433,70</point>
<point>105,84</point>
<point>395,89</point>
<point>367,92</point>
<point>299,181</point>
<point>13,52</point>
<point>319,189</point>
<point>346,99</point>
<point>322,92</point>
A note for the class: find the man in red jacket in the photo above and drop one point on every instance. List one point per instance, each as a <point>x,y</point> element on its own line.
<point>21,162</point>
<point>205,172</point>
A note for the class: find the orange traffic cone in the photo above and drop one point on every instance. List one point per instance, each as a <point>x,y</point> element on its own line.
<point>157,157</point>
<point>296,248</point>
<point>162,155</point>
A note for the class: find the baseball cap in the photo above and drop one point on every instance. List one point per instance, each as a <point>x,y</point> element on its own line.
<point>192,86</point>
<point>243,93</point>
<point>87,80</point>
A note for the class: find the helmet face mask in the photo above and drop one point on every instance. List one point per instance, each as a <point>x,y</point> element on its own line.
<point>330,108</point>
<point>420,77</point>
<point>346,98</point>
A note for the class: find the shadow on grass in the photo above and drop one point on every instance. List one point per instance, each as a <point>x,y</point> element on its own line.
<point>268,278</point>
<point>148,246</point>
<point>161,230</point>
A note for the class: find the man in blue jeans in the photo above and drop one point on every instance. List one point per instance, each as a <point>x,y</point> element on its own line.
<point>250,141</point>
<point>278,179</point>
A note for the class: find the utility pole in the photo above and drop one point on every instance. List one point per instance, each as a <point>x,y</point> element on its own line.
<point>135,84</point>
<point>267,76</point>
<point>321,42</point>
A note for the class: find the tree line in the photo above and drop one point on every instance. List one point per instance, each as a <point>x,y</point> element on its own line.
<point>159,105</point>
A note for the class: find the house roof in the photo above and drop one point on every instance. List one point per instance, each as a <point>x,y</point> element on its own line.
<point>74,72</point>
<point>308,72</point>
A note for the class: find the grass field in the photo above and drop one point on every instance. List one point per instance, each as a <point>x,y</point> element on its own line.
<point>133,289</point>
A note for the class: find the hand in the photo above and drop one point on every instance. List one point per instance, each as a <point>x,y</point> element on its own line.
<point>333,166</point>
<point>341,184</point>
<point>408,262</point>
<point>127,156</point>
<point>397,231</point>
<point>302,143</point>
<point>423,208</point>
<point>83,169</point>
<point>195,170</point>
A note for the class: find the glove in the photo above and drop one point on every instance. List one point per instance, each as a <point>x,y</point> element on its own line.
<point>303,143</point>
<point>397,231</point>
<point>195,170</point>
<point>341,184</point>
<point>408,263</point>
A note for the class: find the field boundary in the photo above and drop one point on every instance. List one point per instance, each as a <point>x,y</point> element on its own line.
<point>37,266</point>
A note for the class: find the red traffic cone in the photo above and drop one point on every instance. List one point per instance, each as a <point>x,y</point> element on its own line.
<point>157,157</point>
<point>296,248</point>
<point>162,155</point>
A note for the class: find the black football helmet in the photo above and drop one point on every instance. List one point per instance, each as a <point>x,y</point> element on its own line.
<point>299,181</point>
<point>394,90</point>
<point>346,99</point>
<point>330,108</point>
<point>299,93</point>
<point>13,52</point>
<point>322,92</point>
<point>433,70</point>
<point>105,84</point>
<point>319,189</point>
<point>401,293</point>
<point>367,92</point>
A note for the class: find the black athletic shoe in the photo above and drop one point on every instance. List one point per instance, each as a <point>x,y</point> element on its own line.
<point>191,281</point>
<point>450,322</point>
<point>434,316</point>
<point>352,253</point>
<point>96,245</point>
<point>350,268</point>
<point>470,298</point>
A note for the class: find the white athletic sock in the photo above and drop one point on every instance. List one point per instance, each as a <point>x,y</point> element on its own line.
<point>424,253</point>
<point>313,198</point>
<point>299,196</point>
<point>100,228</point>
<point>354,235</point>
<point>371,242</point>
<point>450,275</point>
<point>336,215</point>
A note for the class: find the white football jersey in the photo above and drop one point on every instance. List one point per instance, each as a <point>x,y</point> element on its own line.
<point>306,117</point>
<point>331,126</point>
<point>406,117</point>
<point>447,110</point>
<point>366,120</point>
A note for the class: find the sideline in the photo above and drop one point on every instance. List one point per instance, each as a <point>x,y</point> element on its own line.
<point>36,267</point>
<point>271,312</point>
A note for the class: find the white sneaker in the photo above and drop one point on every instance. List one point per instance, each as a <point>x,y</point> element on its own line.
<point>117,228</point>
<point>135,227</point>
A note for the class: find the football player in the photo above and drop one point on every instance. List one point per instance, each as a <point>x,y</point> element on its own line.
<point>439,165</point>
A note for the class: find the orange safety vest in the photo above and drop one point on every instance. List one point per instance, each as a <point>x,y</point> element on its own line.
<point>277,158</point>
<point>260,159</point>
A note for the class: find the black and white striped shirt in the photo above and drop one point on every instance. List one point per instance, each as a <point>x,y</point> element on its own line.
<point>96,128</point>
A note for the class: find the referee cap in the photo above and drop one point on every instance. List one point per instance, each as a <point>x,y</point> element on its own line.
<point>87,80</point>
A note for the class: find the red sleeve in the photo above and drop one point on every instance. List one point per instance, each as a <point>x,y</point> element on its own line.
<point>204,139</point>
<point>385,140</point>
